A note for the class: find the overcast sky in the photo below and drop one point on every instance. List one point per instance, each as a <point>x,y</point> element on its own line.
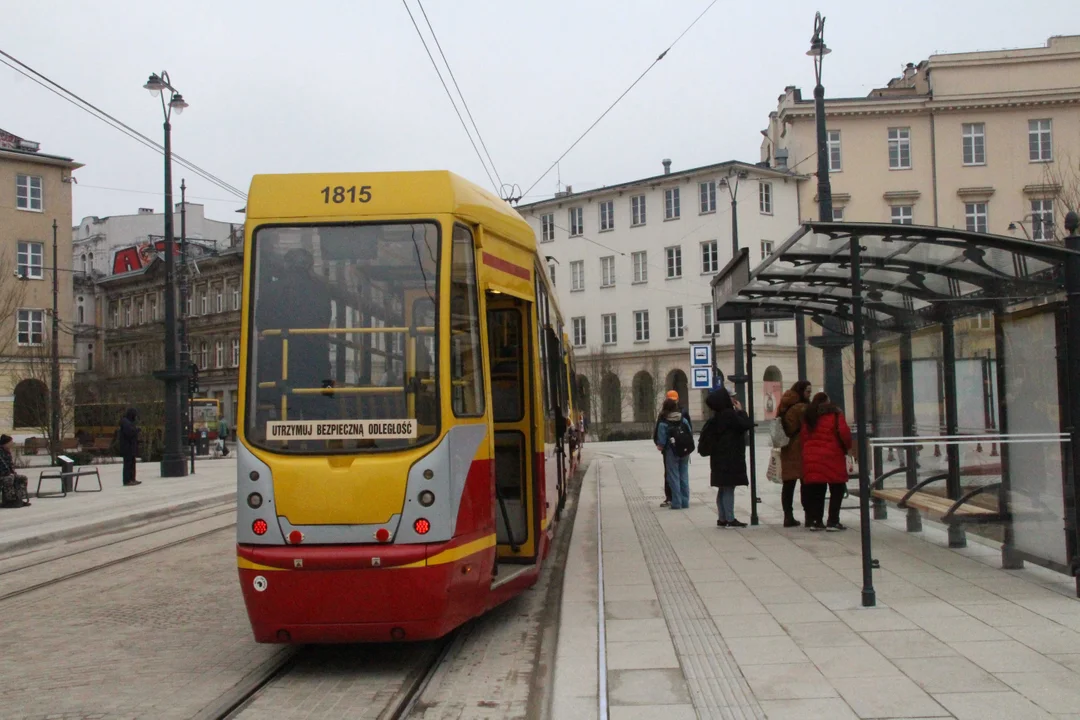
<point>322,85</point>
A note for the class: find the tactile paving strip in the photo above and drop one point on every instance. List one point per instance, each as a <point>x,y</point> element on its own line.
<point>717,686</point>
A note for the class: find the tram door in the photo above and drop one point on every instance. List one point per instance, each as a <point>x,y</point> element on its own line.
<point>510,348</point>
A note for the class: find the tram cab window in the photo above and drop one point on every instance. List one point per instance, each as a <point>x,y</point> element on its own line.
<point>466,365</point>
<point>343,329</point>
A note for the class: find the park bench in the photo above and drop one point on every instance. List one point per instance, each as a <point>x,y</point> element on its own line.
<point>63,477</point>
<point>100,446</point>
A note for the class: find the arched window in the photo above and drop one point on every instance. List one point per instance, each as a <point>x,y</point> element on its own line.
<point>676,380</point>
<point>31,404</point>
<point>644,398</point>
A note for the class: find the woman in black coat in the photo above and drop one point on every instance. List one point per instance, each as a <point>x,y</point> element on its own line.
<point>724,441</point>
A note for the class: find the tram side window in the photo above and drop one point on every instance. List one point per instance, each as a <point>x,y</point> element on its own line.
<point>541,323</point>
<point>466,367</point>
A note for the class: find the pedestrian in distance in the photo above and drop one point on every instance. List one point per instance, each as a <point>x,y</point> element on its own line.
<point>128,443</point>
<point>13,486</point>
<point>793,404</point>
<point>222,433</point>
<point>675,438</point>
<point>723,441</point>
<point>826,442</point>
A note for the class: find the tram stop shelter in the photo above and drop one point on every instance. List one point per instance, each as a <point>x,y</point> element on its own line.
<point>966,369</point>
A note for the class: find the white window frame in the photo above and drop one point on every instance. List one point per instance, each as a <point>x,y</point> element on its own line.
<point>898,216</point>
<point>577,275</point>
<point>204,302</point>
<point>900,140</point>
<point>675,323</point>
<point>30,260</point>
<point>1043,136</point>
<point>127,312</point>
<point>580,335</point>
<point>551,274</point>
<point>610,324</point>
<point>672,209</point>
<point>641,266</point>
<point>765,198</point>
<point>607,215</point>
<point>973,144</point>
<point>30,328</point>
<point>768,328</point>
<point>153,309</point>
<point>637,211</point>
<point>838,214</point>
<point>29,193</point>
<point>547,227</point>
<point>1043,209</point>
<point>768,247</point>
<point>236,297</point>
<point>219,299</point>
<point>607,271</point>
<point>577,221</point>
<point>140,312</point>
<point>976,217</point>
<point>641,326</point>
<point>219,354</point>
<point>710,257</point>
<point>709,320</point>
<point>236,352</point>
<point>673,256</point>
<point>836,156</point>
<point>707,197</point>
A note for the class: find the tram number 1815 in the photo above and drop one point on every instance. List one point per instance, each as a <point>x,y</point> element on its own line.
<point>338,194</point>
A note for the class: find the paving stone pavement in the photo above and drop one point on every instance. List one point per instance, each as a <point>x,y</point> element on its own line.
<point>953,635</point>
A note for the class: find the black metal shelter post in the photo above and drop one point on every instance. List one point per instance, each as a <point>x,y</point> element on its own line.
<point>1072,486</point>
<point>754,500</point>
<point>1009,558</point>
<point>957,536</point>
<point>881,510</point>
<point>907,414</point>
<point>800,343</point>
<point>869,598</point>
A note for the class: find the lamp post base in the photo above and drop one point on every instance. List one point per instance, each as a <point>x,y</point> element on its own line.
<point>174,465</point>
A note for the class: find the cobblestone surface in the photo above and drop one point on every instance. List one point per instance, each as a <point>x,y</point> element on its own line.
<point>161,636</point>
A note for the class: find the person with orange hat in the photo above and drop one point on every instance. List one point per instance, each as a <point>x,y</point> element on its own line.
<point>670,395</point>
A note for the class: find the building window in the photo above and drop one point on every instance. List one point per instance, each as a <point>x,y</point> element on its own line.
<point>671,204</point>
<point>83,258</point>
<point>1040,148</point>
<point>975,217</point>
<point>607,215</point>
<point>641,325</point>
<point>674,323</point>
<point>607,271</point>
<point>641,266</point>
<point>141,312</point>
<point>769,328</point>
<point>81,314</point>
<point>974,135</point>
<point>765,197</point>
<point>89,358</point>
<point>189,311</point>
<point>236,297</point>
<point>709,317</point>
<point>551,274</point>
<point>836,163</point>
<point>127,313</point>
<point>710,261</point>
<point>838,214</point>
<point>236,352</point>
<point>547,227</point>
<point>674,261</point>
<point>204,354</point>
<point>153,309</point>
<point>637,210</point>
<point>707,191</point>
<point>114,315</point>
<point>576,222</point>
<point>903,214</point>
<point>900,148</point>
<point>28,193</point>
<point>1042,219</point>
<point>30,260</point>
<point>219,300</point>
<point>219,354</point>
<point>579,331</point>
<point>611,332</point>
<point>204,303</point>
<point>767,247</point>
<point>31,327</point>
<point>577,275</point>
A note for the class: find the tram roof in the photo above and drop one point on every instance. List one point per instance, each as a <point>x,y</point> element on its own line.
<point>912,275</point>
<point>392,194</point>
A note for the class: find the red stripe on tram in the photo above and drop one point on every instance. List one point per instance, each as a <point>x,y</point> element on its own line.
<point>506,266</point>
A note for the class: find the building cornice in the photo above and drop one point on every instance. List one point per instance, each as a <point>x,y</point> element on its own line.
<point>925,105</point>
<point>39,159</point>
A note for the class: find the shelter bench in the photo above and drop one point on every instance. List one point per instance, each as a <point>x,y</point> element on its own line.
<point>55,474</point>
<point>977,505</point>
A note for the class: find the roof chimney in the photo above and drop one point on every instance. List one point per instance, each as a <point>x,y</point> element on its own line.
<point>667,166</point>
<point>146,211</point>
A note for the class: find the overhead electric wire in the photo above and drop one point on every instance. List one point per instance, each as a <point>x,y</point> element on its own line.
<point>460,94</point>
<point>618,99</point>
<point>88,107</point>
<point>451,97</point>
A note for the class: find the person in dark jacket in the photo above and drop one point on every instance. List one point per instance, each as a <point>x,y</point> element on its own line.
<point>671,395</point>
<point>128,443</point>
<point>676,469</point>
<point>727,452</point>
<point>13,492</point>
<point>826,441</point>
<point>793,404</point>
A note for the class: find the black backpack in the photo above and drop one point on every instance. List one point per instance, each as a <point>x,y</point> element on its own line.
<point>681,439</point>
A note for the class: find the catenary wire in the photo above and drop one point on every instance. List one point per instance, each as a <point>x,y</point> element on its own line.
<point>460,94</point>
<point>451,97</point>
<point>618,99</point>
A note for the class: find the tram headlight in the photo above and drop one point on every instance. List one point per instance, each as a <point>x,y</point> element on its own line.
<point>254,475</point>
<point>428,474</point>
<point>426,498</point>
<point>254,500</point>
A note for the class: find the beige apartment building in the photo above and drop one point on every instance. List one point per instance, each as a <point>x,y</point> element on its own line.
<point>35,192</point>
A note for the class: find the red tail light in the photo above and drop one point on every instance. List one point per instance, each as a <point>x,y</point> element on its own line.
<point>421,526</point>
<point>259,527</point>
<point>296,537</point>
<point>382,535</point>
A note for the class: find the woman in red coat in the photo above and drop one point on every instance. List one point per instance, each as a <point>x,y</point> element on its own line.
<point>826,441</point>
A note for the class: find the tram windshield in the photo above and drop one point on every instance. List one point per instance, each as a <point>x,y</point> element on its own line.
<point>343,337</point>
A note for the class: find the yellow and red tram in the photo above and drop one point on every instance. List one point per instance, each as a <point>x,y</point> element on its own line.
<point>404,389</point>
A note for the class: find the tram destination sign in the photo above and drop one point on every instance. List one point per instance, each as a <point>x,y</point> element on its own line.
<point>341,430</point>
<point>733,278</point>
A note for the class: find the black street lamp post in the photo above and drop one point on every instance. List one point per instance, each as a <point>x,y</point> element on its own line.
<point>54,419</point>
<point>739,377</point>
<point>172,459</point>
